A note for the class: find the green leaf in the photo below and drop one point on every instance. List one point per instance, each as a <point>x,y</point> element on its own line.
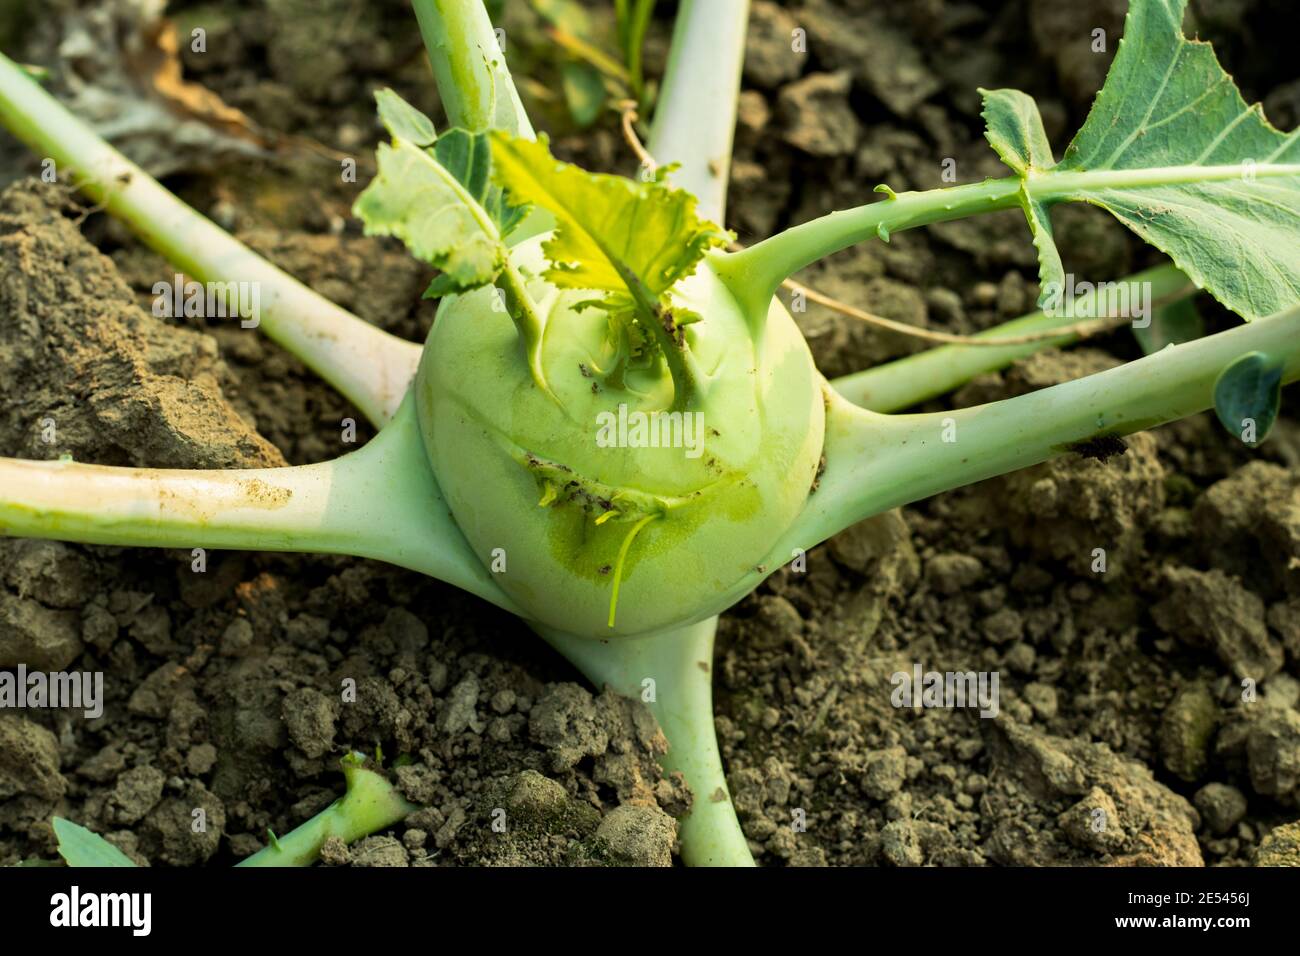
<point>440,201</point>
<point>1171,324</point>
<point>418,200</point>
<point>633,22</point>
<point>1248,395</point>
<point>1015,130</point>
<point>568,15</point>
<point>612,233</point>
<point>468,157</point>
<point>1171,149</point>
<point>404,121</point>
<point>584,92</point>
<point>79,847</point>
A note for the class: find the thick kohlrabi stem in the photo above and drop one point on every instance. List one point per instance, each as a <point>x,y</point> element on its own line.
<point>876,462</point>
<point>909,381</point>
<point>672,671</point>
<point>695,119</point>
<point>370,804</point>
<point>469,65</point>
<point>379,502</point>
<point>478,93</point>
<point>754,274</point>
<point>367,365</point>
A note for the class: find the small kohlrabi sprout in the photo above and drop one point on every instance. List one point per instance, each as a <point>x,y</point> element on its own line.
<point>577,308</point>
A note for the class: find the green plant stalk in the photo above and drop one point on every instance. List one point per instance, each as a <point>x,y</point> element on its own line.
<point>680,664</point>
<point>474,82</point>
<point>877,462</point>
<point>695,120</point>
<point>369,367</point>
<point>370,804</point>
<point>632,25</point>
<point>680,362</point>
<point>755,273</point>
<point>470,68</point>
<point>381,502</point>
<point>905,382</point>
<point>1078,185</point>
<point>528,322</point>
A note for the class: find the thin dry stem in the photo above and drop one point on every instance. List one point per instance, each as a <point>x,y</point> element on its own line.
<point>627,108</point>
<point>1079,330</point>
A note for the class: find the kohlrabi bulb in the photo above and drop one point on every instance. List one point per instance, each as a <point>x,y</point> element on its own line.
<point>602,483</point>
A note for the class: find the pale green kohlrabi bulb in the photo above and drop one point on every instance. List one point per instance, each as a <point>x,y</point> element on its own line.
<point>549,493</point>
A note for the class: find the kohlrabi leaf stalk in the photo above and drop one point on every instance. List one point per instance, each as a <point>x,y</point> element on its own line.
<point>381,501</point>
<point>469,62</point>
<point>695,119</point>
<point>876,462</point>
<point>900,384</point>
<point>672,672</point>
<point>370,804</point>
<point>755,273</point>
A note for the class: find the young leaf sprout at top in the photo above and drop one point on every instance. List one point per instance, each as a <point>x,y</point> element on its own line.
<point>569,296</point>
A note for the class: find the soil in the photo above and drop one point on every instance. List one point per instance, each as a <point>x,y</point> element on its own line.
<point>1160,687</point>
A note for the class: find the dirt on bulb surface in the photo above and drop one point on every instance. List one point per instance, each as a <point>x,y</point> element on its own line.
<point>1141,607</point>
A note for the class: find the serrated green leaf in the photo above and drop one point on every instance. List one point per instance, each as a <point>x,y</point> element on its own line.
<point>609,228</point>
<point>1171,149</point>
<point>1051,270</point>
<point>439,287</point>
<point>1014,128</point>
<point>404,121</point>
<point>468,157</point>
<point>1168,105</point>
<point>1171,324</point>
<point>1248,395</point>
<point>79,847</point>
<point>415,198</point>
